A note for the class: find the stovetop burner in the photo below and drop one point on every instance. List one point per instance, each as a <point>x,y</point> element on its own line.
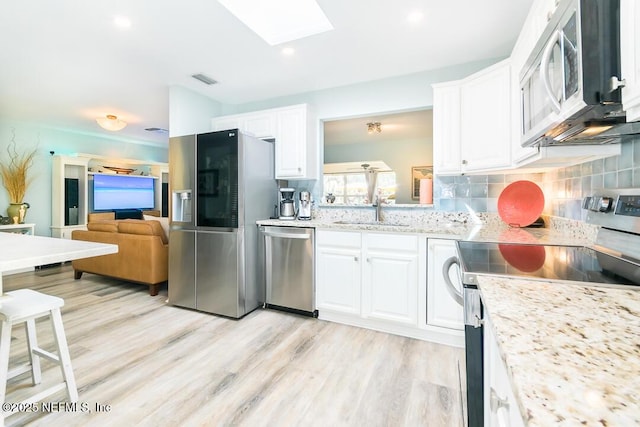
<point>545,262</point>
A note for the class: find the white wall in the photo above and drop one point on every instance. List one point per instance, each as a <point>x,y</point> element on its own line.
<point>403,93</point>
<point>190,112</point>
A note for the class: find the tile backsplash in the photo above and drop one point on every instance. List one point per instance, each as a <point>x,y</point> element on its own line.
<point>563,188</point>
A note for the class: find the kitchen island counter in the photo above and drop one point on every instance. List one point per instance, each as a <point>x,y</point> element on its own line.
<point>571,350</point>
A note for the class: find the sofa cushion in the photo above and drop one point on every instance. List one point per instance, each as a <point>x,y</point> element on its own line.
<point>101,216</point>
<point>135,226</point>
<point>164,222</point>
<point>109,226</point>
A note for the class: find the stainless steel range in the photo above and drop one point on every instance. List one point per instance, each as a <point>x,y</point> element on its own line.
<point>613,261</point>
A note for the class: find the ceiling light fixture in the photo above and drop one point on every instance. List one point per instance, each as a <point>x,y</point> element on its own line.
<point>280,21</point>
<point>374,127</point>
<point>111,122</point>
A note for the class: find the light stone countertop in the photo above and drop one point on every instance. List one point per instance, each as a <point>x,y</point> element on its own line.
<point>572,351</point>
<point>446,228</point>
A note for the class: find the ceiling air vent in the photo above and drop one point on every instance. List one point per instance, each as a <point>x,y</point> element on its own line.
<point>204,79</point>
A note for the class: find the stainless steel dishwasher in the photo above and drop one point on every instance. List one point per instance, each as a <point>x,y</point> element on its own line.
<point>289,268</point>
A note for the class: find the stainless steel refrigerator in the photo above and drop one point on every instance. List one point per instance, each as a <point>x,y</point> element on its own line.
<point>220,183</point>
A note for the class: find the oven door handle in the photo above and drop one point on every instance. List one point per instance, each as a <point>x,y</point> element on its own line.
<point>446,267</point>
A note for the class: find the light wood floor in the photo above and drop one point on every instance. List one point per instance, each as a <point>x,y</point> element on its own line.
<point>158,365</point>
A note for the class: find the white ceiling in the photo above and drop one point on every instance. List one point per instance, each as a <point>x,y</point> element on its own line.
<point>63,62</point>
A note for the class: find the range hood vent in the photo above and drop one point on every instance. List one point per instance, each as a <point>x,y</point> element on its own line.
<point>591,133</point>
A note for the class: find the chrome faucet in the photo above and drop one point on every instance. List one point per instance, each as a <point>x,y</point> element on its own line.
<point>378,205</point>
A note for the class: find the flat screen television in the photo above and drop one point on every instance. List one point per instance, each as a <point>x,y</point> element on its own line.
<point>113,192</point>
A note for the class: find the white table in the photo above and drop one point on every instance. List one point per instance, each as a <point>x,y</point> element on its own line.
<point>18,228</point>
<point>23,251</point>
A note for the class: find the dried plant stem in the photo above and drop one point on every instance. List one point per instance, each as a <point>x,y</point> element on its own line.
<point>14,171</point>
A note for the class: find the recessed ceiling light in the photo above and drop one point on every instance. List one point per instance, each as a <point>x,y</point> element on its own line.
<point>288,51</point>
<point>280,21</point>
<point>415,16</point>
<point>122,22</point>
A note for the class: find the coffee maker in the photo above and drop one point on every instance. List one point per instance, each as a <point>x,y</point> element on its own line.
<point>287,204</point>
<point>304,208</point>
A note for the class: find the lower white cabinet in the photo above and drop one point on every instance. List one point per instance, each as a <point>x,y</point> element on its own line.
<point>338,274</point>
<point>378,281</point>
<point>444,300</point>
<point>500,404</point>
<point>390,277</point>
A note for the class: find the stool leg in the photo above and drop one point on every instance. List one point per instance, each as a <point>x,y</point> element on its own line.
<point>63,354</point>
<point>5,343</point>
<point>32,343</point>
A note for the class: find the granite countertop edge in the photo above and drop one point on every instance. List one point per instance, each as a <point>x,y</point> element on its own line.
<point>574,359</point>
<point>499,233</point>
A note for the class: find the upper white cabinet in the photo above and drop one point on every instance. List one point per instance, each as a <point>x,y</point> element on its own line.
<point>444,304</point>
<point>472,122</point>
<point>446,128</point>
<point>261,124</point>
<point>295,130</point>
<point>485,119</point>
<point>630,50</point>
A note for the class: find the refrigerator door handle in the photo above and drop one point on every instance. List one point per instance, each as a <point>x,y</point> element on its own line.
<point>287,235</point>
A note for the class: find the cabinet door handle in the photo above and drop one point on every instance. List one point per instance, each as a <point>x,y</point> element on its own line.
<point>355,258</point>
<point>496,404</point>
<point>464,162</point>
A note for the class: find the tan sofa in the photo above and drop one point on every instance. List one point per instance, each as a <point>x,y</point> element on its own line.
<point>142,255</point>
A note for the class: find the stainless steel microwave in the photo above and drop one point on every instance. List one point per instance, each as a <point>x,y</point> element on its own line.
<point>570,85</point>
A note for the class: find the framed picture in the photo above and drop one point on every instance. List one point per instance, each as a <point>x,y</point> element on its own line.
<point>417,173</point>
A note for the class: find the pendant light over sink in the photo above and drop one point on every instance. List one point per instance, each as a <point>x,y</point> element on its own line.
<point>111,123</point>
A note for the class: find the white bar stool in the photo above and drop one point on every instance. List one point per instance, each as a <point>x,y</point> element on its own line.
<point>25,305</point>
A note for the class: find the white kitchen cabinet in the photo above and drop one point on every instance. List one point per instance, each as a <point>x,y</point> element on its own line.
<point>472,122</point>
<point>296,143</point>
<point>295,131</point>
<point>338,271</point>
<point>486,119</point>
<point>227,122</point>
<point>443,308</point>
<point>261,124</point>
<point>378,281</point>
<point>390,277</point>
<point>370,275</point>
<point>446,128</point>
<point>500,404</point>
<point>630,52</point>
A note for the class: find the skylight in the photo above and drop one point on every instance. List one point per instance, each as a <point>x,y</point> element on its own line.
<point>280,21</point>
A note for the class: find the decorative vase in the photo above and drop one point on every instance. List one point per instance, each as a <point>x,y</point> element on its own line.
<point>426,191</point>
<point>17,212</point>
